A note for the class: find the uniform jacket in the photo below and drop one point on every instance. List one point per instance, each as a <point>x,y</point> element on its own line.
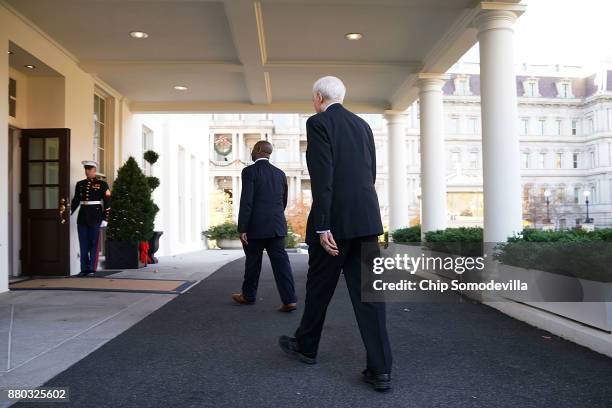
<point>341,159</point>
<point>91,190</point>
<point>263,201</point>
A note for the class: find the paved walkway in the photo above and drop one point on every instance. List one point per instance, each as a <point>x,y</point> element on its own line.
<point>200,350</point>
<point>43,332</point>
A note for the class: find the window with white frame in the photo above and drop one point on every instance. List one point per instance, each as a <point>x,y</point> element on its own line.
<point>474,160</point>
<point>531,88</point>
<point>559,160</point>
<point>453,125</point>
<point>592,159</point>
<point>99,144</point>
<point>575,160</point>
<point>574,127</point>
<point>524,126</point>
<point>590,125</point>
<point>542,160</point>
<point>576,194</point>
<point>472,126</point>
<point>455,158</point>
<point>525,160</point>
<point>462,85</point>
<point>542,127</point>
<point>559,126</point>
<point>564,89</point>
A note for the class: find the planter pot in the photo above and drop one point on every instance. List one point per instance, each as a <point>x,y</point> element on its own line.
<point>588,302</point>
<point>229,243</point>
<point>154,245</point>
<point>122,255</point>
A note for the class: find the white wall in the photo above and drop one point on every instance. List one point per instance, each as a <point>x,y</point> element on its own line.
<point>170,133</point>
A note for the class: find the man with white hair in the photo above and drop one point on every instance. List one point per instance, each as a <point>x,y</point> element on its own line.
<point>343,221</point>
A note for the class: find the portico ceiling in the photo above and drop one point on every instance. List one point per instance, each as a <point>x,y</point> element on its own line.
<point>245,55</point>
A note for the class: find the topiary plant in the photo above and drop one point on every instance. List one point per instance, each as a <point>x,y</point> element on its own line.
<point>153,182</point>
<point>133,211</point>
<point>151,156</point>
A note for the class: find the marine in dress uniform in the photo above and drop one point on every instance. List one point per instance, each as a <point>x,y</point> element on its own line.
<point>93,196</point>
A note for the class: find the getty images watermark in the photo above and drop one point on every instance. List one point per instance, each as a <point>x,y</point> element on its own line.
<point>523,272</point>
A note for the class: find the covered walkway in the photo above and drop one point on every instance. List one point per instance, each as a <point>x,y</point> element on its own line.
<point>200,350</point>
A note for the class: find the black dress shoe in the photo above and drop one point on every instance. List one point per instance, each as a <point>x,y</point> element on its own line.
<point>290,347</point>
<point>381,382</point>
<point>83,274</point>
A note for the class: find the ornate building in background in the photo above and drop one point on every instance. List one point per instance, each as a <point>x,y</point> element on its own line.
<point>565,125</point>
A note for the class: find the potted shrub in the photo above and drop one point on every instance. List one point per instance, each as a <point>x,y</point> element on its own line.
<point>131,217</point>
<point>409,235</point>
<point>225,234</point>
<point>151,157</point>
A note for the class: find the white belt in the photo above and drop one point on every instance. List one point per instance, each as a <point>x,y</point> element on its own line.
<point>91,202</point>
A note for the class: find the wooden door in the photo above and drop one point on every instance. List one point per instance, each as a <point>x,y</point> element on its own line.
<point>45,200</point>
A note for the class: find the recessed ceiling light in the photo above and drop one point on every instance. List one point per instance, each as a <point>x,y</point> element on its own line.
<point>29,66</point>
<point>180,87</point>
<point>353,36</point>
<point>138,34</point>
<point>10,53</point>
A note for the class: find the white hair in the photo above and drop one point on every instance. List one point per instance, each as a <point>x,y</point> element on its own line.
<point>331,89</point>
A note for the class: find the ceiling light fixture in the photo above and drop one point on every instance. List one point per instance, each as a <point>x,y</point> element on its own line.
<point>138,34</point>
<point>180,87</point>
<point>353,36</point>
<point>10,53</point>
<point>29,66</point>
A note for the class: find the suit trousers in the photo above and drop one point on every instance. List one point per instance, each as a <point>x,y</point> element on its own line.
<point>281,268</point>
<point>323,274</point>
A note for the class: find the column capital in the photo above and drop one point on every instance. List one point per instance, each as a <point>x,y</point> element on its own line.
<point>497,15</point>
<point>396,116</point>
<point>431,82</point>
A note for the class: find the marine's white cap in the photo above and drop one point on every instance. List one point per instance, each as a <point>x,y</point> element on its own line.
<point>89,163</point>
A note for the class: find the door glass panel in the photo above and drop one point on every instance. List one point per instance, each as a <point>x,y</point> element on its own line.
<point>36,173</point>
<point>36,198</point>
<point>36,149</point>
<point>52,197</point>
<point>52,148</point>
<point>51,173</point>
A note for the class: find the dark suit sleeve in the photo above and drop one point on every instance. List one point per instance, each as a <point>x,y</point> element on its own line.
<point>286,192</point>
<point>246,200</point>
<point>74,204</point>
<point>372,152</point>
<point>319,159</point>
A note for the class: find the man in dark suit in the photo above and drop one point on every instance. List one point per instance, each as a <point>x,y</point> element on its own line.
<point>262,225</point>
<point>344,220</point>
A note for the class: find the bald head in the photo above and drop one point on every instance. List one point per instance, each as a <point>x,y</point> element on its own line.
<point>262,149</point>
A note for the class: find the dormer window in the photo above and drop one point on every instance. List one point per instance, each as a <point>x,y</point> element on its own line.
<point>462,85</point>
<point>531,88</point>
<point>564,88</point>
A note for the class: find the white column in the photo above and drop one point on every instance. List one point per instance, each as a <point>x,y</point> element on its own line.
<point>433,169</point>
<point>4,177</point>
<point>500,144</point>
<point>398,187</point>
<point>235,200</point>
<point>240,146</point>
<point>291,192</point>
<point>211,154</point>
<point>235,146</point>
<point>298,188</point>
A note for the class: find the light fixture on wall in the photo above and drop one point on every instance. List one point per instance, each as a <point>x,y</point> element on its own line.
<point>353,36</point>
<point>138,34</point>
<point>180,87</point>
<point>10,52</point>
<point>30,66</point>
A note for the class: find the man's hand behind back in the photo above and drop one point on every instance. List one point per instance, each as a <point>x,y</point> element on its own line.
<point>327,242</point>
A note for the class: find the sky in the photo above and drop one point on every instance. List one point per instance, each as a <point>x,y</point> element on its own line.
<point>568,32</point>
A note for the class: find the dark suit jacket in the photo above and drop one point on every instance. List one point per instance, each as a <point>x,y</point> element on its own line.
<point>341,159</point>
<point>263,201</point>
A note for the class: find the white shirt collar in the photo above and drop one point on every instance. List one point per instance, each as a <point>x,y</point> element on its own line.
<point>261,158</point>
<point>333,103</point>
